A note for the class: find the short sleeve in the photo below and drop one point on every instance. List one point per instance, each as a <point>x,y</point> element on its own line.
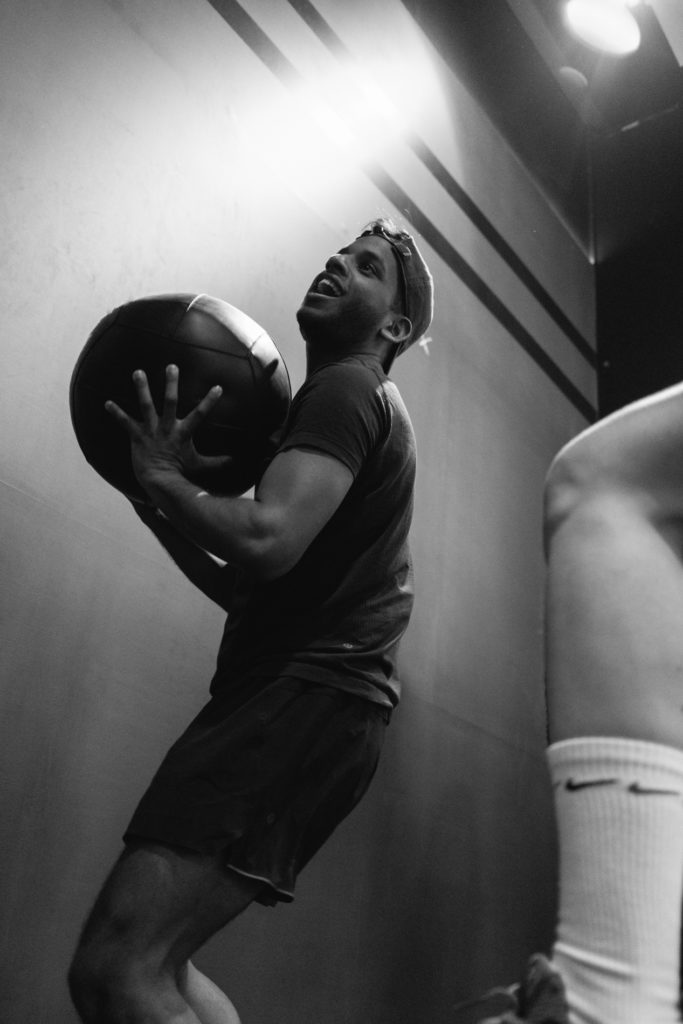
<point>339,411</point>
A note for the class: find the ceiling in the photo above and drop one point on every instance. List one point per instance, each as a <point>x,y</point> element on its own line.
<point>604,140</point>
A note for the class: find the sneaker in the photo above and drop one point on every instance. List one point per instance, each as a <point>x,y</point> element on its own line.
<point>539,999</point>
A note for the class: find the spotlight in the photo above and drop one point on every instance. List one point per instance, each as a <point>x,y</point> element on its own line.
<point>605,25</point>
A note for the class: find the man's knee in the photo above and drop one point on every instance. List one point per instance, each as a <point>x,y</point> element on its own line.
<point>105,982</point>
<point>94,973</point>
<point>89,979</point>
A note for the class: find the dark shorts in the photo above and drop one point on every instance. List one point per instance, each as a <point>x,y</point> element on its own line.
<point>264,774</point>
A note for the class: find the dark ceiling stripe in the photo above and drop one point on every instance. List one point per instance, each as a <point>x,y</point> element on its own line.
<point>261,44</point>
<point>326,34</point>
<point>257,40</point>
<point>496,240</point>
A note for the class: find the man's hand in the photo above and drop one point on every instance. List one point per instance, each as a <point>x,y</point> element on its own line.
<point>265,536</point>
<point>163,445</point>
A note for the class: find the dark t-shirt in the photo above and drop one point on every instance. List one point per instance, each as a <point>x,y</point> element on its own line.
<point>337,616</point>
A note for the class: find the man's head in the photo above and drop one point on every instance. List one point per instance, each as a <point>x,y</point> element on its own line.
<point>417,284</point>
<point>375,295</point>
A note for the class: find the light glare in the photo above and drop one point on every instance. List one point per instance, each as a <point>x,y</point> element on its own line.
<point>315,136</point>
<point>605,25</point>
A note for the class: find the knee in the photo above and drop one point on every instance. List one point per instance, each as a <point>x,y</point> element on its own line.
<point>584,488</point>
<point>99,980</point>
<point>569,481</point>
<point>87,979</point>
<point>111,984</point>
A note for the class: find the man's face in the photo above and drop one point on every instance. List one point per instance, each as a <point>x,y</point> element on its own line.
<point>354,296</point>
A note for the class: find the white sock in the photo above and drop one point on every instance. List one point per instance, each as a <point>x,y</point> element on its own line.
<point>619,806</point>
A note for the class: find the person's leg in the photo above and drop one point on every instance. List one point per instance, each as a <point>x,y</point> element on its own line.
<point>210,1004</point>
<point>614,516</point>
<point>157,908</point>
<point>614,627</point>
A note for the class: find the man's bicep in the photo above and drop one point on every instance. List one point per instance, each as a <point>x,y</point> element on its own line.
<point>304,488</point>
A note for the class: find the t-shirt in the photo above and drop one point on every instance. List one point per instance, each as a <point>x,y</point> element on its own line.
<point>337,616</point>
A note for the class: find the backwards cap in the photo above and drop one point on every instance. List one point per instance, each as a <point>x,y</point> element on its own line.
<point>416,280</point>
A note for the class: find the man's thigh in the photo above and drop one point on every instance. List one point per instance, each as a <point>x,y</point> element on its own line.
<point>160,903</point>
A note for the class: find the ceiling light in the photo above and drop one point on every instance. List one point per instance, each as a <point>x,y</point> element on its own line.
<point>605,25</point>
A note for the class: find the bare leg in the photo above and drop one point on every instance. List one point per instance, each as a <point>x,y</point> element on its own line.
<point>208,1002</point>
<point>615,581</point>
<point>614,521</point>
<point>157,908</point>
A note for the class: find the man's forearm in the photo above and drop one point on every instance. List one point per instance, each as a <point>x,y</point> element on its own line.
<point>231,528</point>
<point>215,581</point>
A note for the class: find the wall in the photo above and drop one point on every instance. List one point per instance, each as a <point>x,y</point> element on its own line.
<point>165,146</point>
<point>638,231</point>
<point>639,312</point>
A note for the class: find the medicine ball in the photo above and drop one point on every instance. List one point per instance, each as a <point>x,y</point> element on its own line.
<point>211,342</point>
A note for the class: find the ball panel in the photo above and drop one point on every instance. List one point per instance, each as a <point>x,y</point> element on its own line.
<point>273,384</point>
<point>232,325</point>
<point>158,314</point>
<point>99,437</point>
<point>212,343</point>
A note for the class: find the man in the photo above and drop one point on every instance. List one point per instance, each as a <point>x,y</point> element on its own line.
<point>614,529</point>
<point>318,583</point>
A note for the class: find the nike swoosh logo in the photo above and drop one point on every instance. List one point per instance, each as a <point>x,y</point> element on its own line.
<point>572,785</point>
<point>636,787</point>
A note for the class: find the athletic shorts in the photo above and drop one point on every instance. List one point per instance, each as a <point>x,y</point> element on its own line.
<point>264,774</point>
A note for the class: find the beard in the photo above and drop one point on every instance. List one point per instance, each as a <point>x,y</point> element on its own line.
<point>336,328</point>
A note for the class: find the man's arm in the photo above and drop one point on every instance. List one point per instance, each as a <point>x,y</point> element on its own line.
<point>265,535</point>
<point>215,582</point>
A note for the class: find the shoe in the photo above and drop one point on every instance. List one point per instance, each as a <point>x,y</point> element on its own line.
<point>539,999</point>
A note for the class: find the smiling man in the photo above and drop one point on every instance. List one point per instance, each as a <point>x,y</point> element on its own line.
<point>318,589</point>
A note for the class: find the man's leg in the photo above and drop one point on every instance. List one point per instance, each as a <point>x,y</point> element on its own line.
<point>210,1004</point>
<point>614,536</point>
<point>157,908</point>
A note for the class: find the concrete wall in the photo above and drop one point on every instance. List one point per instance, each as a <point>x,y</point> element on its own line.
<point>154,146</point>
